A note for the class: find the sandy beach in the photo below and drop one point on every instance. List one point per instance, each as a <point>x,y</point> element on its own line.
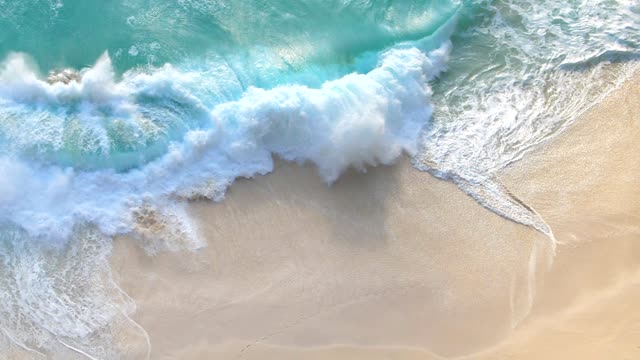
<point>585,185</point>
<point>396,264</point>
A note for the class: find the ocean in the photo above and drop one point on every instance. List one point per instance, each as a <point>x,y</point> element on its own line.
<point>114,115</point>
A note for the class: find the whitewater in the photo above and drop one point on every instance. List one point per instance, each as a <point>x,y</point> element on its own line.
<point>113,115</point>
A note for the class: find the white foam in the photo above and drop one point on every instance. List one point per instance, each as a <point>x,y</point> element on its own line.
<point>550,62</point>
<point>356,121</point>
<point>48,299</point>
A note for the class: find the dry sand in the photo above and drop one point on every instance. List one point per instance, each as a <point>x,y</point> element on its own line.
<point>396,264</point>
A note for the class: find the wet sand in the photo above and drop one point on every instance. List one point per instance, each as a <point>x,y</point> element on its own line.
<point>586,184</point>
<point>394,258</point>
<point>396,264</point>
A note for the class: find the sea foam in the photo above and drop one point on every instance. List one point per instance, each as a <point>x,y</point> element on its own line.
<point>356,121</point>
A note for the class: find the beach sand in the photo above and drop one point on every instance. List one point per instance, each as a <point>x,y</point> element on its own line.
<point>586,184</point>
<point>396,264</point>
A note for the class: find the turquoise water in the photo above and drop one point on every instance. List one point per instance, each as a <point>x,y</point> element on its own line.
<point>257,39</point>
<point>165,101</point>
<point>229,47</point>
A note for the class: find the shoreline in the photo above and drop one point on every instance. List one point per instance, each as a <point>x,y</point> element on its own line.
<point>293,265</point>
<point>587,189</point>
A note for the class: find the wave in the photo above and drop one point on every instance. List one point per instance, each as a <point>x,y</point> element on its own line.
<point>68,145</point>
